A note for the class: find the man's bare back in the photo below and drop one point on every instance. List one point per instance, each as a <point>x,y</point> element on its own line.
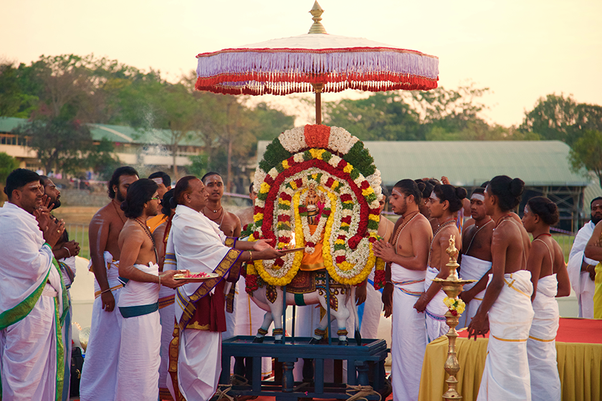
<point>511,242</point>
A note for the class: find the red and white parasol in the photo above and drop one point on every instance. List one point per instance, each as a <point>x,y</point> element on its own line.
<point>315,62</point>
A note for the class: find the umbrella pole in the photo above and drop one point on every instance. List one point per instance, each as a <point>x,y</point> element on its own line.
<point>318,90</point>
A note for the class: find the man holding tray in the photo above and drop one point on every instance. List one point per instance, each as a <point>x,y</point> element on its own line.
<point>198,245</point>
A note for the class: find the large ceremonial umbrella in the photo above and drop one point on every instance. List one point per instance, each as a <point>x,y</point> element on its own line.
<point>315,62</point>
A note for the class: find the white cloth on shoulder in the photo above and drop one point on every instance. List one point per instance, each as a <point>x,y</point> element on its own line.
<point>166,313</point>
<point>541,345</point>
<point>436,325</point>
<point>472,268</point>
<point>408,339</point>
<point>99,373</point>
<point>139,355</point>
<point>583,286</point>
<point>373,307</point>
<point>28,346</point>
<point>506,373</point>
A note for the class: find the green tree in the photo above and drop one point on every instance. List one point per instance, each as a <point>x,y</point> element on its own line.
<point>586,153</point>
<point>102,159</point>
<point>60,144</point>
<point>383,116</point>
<point>557,117</point>
<point>7,164</point>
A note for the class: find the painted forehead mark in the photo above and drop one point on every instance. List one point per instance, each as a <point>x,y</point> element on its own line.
<point>478,197</point>
<point>434,196</point>
<point>397,192</point>
<point>526,209</point>
<point>158,180</point>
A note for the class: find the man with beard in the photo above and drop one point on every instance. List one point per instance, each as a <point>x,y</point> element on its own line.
<point>475,263</point>
<point>406,256</point>
<point>99,373</point>
<point>582,269</point>
<point>31,293</point>
<point>139,351</point>
<point>65,252</point>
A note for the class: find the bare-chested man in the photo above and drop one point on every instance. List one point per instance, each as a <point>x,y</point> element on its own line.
<point>475,263</point>
<point>406,256</point>
<point>138,366</point>
<point>506,309</point>
<point>445,202</point>
<point>228,222</point>
<point>99,375</point>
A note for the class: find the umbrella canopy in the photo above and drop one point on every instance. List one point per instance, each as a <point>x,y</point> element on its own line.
<point>315,62</point>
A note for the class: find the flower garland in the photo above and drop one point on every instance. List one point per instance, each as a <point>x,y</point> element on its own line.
<point>319,156</point>
<point>455,305</point>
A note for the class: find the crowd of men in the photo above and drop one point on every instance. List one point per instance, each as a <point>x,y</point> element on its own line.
<point>156,333</point>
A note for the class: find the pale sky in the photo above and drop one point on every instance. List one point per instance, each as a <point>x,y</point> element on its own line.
<point>521,49</point>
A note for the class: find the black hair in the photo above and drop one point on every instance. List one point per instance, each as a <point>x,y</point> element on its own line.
<point>19,178</point>
<point>484,185</point>
<point>209,174</point>
<point>453,195</point>
<point>545,209</point>
<point>165,202</point>
<point>164,177</point>
<point>182,187</point>
<point>251,188</point>
<point>139,193</point>
<point>479,190</point>
<point>426,187</point>
<point>409,187</point>
<point>593,200</point>
<point>123,170</point>
<point>508,190</point>
<point>44,180</point>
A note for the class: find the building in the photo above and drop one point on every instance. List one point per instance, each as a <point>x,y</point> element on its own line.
<point>133,147</point>
<point>543,165</point>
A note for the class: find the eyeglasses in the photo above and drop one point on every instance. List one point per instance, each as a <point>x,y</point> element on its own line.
<point>156,198</point>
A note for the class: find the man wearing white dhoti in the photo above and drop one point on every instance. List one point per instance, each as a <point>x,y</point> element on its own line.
<point>445,202</point>
<point>197,244</point>
<point>475,263</point>
<point>506,309</point>
<point>99,373</point>
<point>406,256</point>
<point>139,359</point>
<point>582,269</point>
<point>33,299</point>
<point>65,252</point>
<point>550,279</point>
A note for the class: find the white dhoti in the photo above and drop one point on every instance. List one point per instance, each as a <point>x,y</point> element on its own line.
<point>68,270</point>
<point>472,268</point>
<point>99,373</point>
<point>436,325</point>
<point>28,375</point>
<point>139,355</point>
<point>167,316</point>
<point>372,308</point>
<point>583,286</point>
<point>408,340</point>
<point>541,345</point>
<point>199,363</point>
<point>506,372</point>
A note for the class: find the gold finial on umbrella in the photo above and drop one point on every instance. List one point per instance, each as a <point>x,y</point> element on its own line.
<point>452,286</point>
<point>317,27</point>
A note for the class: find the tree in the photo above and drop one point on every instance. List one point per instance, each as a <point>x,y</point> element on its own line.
<point>60,143</point>
<point>586,153</point>
<point>7,165</point>
<point>383,116</point>
<point>557,117</point>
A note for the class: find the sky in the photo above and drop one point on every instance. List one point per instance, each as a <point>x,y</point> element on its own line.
<point>521,49</point>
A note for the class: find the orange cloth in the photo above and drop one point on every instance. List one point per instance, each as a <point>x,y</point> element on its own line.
<point>156,221</point>
<point>313,261</point>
